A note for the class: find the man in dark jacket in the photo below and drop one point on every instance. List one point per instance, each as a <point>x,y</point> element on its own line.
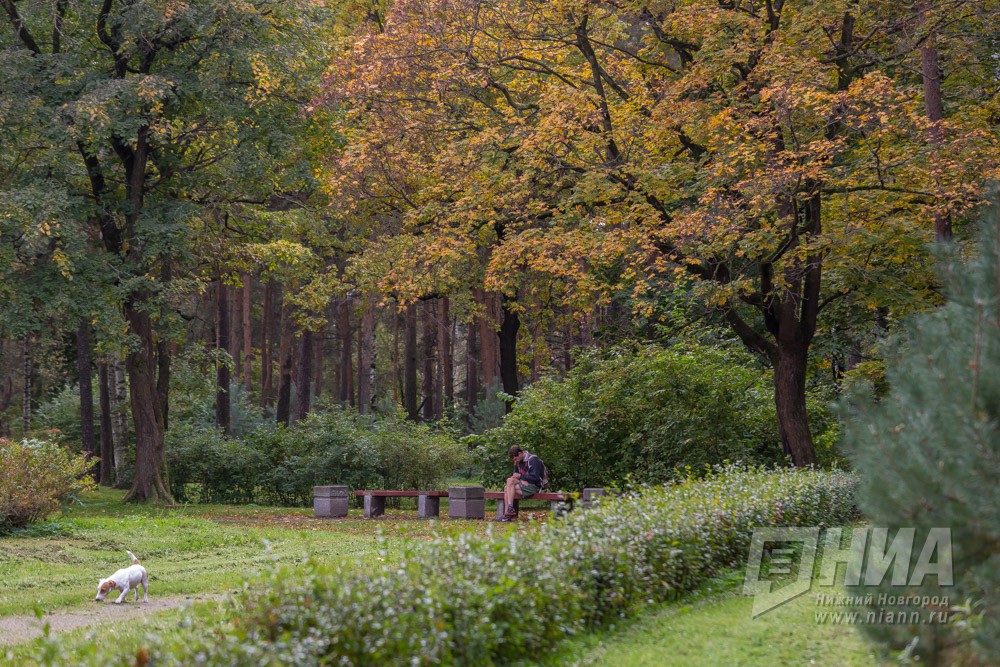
<point>524,483</point>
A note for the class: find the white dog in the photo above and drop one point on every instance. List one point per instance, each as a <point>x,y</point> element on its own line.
<point>125,579</point>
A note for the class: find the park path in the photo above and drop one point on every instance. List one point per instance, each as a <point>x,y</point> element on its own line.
<point>18,629</point>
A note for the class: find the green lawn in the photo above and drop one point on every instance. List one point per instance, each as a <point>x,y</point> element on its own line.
<point>204,549</point>
<point>715,628</point>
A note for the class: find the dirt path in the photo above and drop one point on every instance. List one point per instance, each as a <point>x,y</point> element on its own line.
<point>17,629</point>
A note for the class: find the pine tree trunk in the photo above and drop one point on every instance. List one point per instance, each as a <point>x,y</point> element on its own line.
<point>235,348</point>
<point>472,368</point>
<point>346,346</point>
<point>397,390</point>
<point>247,338</point>
<point>445,356</point>
<point>106,477</point>
<point>150,483</point>
<point>27,371</point>
<point>267,342</point>
<point>366,366</point>
<point>428,342</point>
<point>410,364</point>
<point>303,388</point>
<point>319,358</point>
<point>282,412</point>
<point>508,349</point>
<point>85,379</point>
<point>223,418</point>
<point>119,418</point>
<point>930,69</point>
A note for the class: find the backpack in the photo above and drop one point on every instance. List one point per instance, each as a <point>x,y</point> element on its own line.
<point>545,472</point>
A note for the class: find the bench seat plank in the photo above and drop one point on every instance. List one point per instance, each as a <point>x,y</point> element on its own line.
<point>402,494</point>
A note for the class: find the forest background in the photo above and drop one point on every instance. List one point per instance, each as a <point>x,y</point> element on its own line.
<point>670,231</point>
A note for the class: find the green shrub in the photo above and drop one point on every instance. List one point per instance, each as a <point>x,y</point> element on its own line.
<point>476,600</point>
<point>640,416</point>
<point>36,476</point>
<point>928,451</point>
<point>279,466</point>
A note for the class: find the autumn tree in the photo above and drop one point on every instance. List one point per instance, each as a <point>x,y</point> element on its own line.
<point>770,158</point>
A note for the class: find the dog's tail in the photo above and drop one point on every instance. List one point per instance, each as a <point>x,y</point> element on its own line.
<point>135,561</point>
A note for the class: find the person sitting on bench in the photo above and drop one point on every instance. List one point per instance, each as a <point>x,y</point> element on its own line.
<point>524,483</point>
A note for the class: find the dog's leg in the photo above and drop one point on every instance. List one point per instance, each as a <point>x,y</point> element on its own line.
<point>145,588</point>
<point>124,593</point>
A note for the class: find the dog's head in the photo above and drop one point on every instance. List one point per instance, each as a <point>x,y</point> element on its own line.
<point>103,586</point>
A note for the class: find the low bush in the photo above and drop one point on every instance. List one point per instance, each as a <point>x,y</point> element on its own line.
<point>641,416</point>
<point>279,466</point>
<point>476,600</point>
<point>36,477</point>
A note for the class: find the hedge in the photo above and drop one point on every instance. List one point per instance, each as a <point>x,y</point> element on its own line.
<point>478,600</point>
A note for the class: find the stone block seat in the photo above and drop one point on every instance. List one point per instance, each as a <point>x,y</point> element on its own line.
<point>428,502</point>
<point>559,502</point>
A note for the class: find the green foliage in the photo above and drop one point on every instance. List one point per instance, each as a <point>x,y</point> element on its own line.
<point>642,415</point>
<point>929,453</point>
<point>36,476</point>
<point>480,600</point>
<point>276,465</point>
<point>61,411</point>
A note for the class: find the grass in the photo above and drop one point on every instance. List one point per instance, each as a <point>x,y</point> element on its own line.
<point>187,549</point>
<point>715,627</point>
<point>204,549</point>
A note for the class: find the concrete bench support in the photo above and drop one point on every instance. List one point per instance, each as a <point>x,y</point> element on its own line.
<point>330,501</point>
<point>428,507</point>
<point>374,506</point>
<point>466,502</point>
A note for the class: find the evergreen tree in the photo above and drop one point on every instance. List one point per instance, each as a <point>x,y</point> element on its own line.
<point>929,453</point>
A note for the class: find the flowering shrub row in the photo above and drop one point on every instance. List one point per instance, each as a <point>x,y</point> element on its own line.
<point>474,600</point>
<point>35,477</point>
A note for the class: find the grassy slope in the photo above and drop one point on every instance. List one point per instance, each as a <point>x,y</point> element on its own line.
<point>716,628</point>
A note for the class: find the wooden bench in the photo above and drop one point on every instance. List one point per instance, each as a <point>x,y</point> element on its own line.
<point>428,502</point>
<point>560,502</point>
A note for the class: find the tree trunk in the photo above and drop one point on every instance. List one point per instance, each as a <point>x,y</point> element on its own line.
<point>445,358</point>
<point>85,379</point>
<point>106,477</point>
<point>410,364</point>
<point>930,69</point>
<point>223,418</point>
<point>303,400</point>
<point>472,368</point>
<point>282,412</point>
<point>150,483</point>
<point>508,349</point>
<point>247,338</point>
<point>319,338</point>
<point>26,385</point>
<point>790,400</point>
<point>366,366</point>
<point>428,342</point>
<point>267,342</point>
<point>235,348</point>
<point>397,390</point>
<point>488,338</point>
<point>119,418</point>
<point>346,360</point>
